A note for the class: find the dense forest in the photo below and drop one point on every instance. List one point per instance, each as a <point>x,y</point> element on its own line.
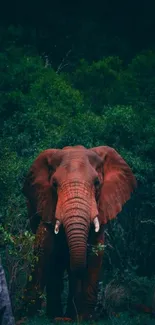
<point>80,74</point>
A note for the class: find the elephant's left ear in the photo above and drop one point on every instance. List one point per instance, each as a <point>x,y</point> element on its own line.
<point>118,183</point>
<point>41,199</point>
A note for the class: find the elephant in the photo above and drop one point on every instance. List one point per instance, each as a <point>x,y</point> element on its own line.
<point>71,194</point>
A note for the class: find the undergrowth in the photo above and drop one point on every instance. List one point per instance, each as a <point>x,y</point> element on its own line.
<point>121,319</point>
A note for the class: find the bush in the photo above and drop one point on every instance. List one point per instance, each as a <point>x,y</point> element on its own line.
<point>101,103</point>
<point>17,256</point>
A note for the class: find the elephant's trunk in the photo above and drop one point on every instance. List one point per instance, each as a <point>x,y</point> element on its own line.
<point>77,233</point>
<point>74,209</point>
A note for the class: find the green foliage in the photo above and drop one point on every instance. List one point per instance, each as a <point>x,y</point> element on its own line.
<point>17,256</point>
<point>101,103</point>
<point>142,70</point>
<point>110,82</point>
<point>98,82</point>
<point>121,319</point>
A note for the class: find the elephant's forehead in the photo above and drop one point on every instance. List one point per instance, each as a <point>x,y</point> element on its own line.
<point>79,155</point>
<point>77,152</point>
<point>74,148</point>
<point>75,159</point>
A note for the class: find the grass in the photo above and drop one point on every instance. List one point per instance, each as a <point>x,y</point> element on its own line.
<point>121,319</point>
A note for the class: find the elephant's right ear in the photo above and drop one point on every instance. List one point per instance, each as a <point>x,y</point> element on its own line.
<point>40,196</point>
<point>118,183</point>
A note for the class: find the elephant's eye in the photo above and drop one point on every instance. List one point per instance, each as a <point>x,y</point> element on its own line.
<point>96,182</point>
<point>54,183</point>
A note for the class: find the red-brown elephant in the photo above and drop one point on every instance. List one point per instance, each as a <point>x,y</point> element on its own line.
<point>71,194</point>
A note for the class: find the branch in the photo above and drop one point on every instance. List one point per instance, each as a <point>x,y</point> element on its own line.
<point>148,221</point>
<point>63,64</point>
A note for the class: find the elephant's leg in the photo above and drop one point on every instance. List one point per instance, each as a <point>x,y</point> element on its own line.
<point>74,301</point>
<point>91,287</point>
<point>90,284</point>
<point>37,279</point>
<point>55,276</point>
<point>70,309</point>
<point>74,297</point>
<point>54,288</point>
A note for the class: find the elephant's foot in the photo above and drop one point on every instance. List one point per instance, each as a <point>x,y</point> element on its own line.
<point>81,316</point>
<point>71,310</point>
<point>86,317</point>
<point>72,314</point>
<point>54,310</point>
<point>88,313</point>
<point>63,319</point>
<point>78,318</point>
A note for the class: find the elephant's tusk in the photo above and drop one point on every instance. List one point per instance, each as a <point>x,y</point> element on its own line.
<point>57,226</point>
<point>96,224</point>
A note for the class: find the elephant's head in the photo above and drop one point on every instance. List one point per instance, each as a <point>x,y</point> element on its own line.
<point>76,187</point>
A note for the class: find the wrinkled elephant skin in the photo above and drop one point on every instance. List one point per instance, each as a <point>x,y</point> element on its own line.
<point>71,194</point>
